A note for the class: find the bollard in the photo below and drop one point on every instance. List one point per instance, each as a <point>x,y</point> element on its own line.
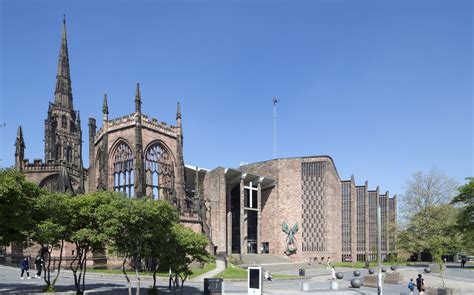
<point>305,287</point>
<point>334,285</point>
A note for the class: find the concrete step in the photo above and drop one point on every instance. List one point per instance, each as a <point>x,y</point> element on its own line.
<point>249,259</point>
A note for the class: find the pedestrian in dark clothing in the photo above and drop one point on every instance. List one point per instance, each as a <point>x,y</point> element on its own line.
<point>420,285</point>
<point>463,262</point>
<point>25,266</point>
<point>39,262</point>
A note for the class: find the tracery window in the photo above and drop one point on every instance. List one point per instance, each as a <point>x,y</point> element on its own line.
<point>159,172</point>
<point>123,169</point>
<point>58,151</point>
<point>64,122</point>
<point>69,154</point>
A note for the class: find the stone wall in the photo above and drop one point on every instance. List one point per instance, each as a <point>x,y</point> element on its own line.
<point>285,203</point>
<point>215,194</point>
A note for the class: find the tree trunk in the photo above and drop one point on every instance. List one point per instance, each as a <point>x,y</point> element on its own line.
<point>59,264</point>
<point>47,270</point>
<point>84,263</point>
<point>154,276</point>
<point>78,258</point>
<point>182,283</point>
<point>126,276</point>
<point>137,273</point>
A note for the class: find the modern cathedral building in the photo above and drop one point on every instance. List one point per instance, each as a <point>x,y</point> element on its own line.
<point>297,207</point>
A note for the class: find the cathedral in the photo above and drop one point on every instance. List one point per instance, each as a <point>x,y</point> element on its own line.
<point>298,208</point>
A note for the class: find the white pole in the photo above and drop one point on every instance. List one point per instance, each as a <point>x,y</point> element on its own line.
<point>379,248</point>
<point>275,100</point>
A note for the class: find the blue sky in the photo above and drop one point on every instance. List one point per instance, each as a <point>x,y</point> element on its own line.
<point>383,87</point>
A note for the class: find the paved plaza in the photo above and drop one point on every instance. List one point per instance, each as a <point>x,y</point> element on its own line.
<point>316,276</point>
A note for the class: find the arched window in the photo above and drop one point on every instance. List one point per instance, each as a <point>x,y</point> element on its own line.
<point>69,154</point>
<point>64,122</point>
<point>123,169</point>
<point>159,172</point>
<point>58,151</point>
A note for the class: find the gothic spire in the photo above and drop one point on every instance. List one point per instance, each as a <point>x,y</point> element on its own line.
<point>19,142</point>
<point>63,92</point>
<point>138,99</point>
<point>178,112</point>
<point>105,106</point>
<point>19,149</point>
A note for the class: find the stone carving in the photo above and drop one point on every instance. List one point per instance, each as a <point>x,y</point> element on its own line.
<point>290,239</point>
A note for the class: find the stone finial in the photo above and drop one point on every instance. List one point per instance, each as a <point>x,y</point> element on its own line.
<point>105,107</point>
<point>19,149</point>
<point>178,111</point>
<point>138,99</point>
<point>19,142</point>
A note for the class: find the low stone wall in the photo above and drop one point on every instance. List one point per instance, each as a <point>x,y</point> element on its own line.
<point>393,277</point>
<point>440,291</point>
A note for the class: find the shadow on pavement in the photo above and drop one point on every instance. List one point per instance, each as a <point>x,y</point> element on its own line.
<point>459,266</point>
<point>104,289</point>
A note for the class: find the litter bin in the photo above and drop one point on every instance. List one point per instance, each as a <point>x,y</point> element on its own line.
<point>212,286</point>
<point>302,272</point>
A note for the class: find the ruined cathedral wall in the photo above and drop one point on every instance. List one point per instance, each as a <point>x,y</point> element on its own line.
<point>169,140</point>
<point>114,136</point>
<point>39,173</point>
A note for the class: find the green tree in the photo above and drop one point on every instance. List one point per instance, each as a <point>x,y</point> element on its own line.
<point>431,230</point>
<point>86,232</point>
<point>138,229</point>
<point>465,221</point>
<point>188,247</point>
<point>16,203</point>
<point>51,216</point>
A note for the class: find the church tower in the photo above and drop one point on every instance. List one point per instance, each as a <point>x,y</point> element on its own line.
<point>63,135</point>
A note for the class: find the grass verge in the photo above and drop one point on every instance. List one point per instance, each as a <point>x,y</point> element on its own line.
<point>236,272</point>
<point>197,271</point>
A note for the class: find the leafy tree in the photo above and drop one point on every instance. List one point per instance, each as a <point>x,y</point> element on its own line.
<point>16,202</point>
<point>425,190</point>
<point>86,231</point>
<point>431,230</point>
<point>465,221</point>
<point>51,218</point>
<point>188,247</point>
<point>137,229</point>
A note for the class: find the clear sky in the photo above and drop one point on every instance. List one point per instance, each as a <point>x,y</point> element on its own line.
<point>383,87</point>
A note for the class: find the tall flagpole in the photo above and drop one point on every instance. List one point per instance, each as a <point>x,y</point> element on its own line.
<point>379,249</point>
<point>275,100</point>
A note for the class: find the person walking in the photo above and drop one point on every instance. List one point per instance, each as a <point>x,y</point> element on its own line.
<point>411,286</point>
<point>463,262</point>
<point>25,266</point>
<point>268,276</point>
<point>420,284</point>
<point>333,273</point>
<point>39,262</point>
